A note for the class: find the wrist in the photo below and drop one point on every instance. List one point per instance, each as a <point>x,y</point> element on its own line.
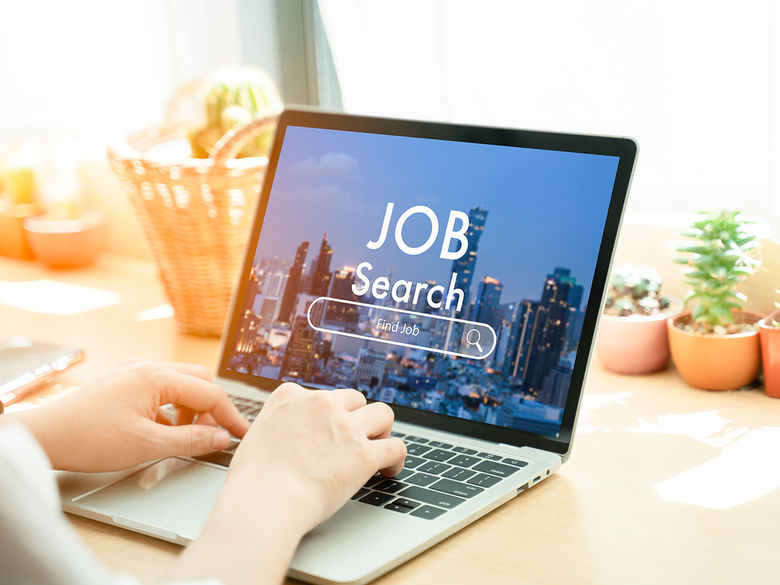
<point>33,421</point>
<point>272,495</point>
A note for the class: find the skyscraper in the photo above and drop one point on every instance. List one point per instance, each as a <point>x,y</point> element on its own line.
<point>321,276</point>
<point>464,266</point>
<point>526,329</point>
<point>293,283</point>
<point>273,284</point>
<point>342,314</point>
<point>486,306</point>
<point>300,356</point>
<point>546,349</point>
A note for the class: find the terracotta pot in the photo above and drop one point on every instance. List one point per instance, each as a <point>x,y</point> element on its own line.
<point>635,344</point>
<point>715,362</point>
<point>66,243</point>
<point>770,352</point>
<point>13,242</point>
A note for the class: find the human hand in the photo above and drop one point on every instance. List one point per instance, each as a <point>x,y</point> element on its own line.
<point>317,447</point>
<point>117,422</point>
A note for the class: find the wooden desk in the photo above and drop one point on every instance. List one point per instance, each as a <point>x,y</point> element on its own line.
<point>620,511</point>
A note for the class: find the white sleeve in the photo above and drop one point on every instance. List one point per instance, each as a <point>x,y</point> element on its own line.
<point>37,544</point>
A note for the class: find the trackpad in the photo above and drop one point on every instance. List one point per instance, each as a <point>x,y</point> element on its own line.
<point>173,496</point>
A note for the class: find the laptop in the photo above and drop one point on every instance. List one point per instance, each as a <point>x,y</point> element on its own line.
<point>454,272</point>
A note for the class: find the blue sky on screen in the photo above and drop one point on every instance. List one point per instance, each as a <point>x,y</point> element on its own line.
<point>545,208</point>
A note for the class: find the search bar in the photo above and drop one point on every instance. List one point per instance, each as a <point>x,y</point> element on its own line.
<point>399,327</point>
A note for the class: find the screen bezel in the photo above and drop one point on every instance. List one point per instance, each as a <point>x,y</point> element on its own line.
<point>623,148</point>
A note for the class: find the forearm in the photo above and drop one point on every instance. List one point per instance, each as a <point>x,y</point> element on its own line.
<point>249,538</point>
<point>45,430</point>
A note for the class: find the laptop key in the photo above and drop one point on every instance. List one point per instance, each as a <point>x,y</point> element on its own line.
<point>416,439</point>
<point>434,467</point>
<point>439,455</point>
<point>415,449</point>
<point>422,479</point>
<point>360,493</point>
<point>515,462</point>
<point>464,461</point>
<point>427,496</point>
<point>496,468</point>
<point>403,474</point>
<point>484,480</point>
<point>459,473</point>
<point>456,488</point>
<point>389,485</point>
<point>428,512</point>
<point>402,505</point>
<point>397,434</point>
<point>440,445</point>
<point>412,462</point>
<point>373,480</point>
<point>376,499</point>
<point>490,456</point>
<point>464,450</point>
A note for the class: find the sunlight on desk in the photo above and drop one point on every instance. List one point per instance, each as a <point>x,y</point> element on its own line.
<point>594,402</point>
<point>743,472</point>
<point>707,427</point>
<point>54,298</point>
<point>154,313</point>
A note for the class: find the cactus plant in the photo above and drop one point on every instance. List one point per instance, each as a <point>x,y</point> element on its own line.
<point>635,290</point>
<point>232,97</point>
<point>723,256</point>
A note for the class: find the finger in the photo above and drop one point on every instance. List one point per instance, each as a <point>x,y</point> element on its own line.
<point>184,415</point>
<point>189,440</point>
<point>348,398</point>
<point>390,454</point>
<point>204,418</point>
<point>375,419</point>
<point>201,396</point>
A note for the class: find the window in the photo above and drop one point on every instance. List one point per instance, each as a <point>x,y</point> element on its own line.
<point>694,82</point>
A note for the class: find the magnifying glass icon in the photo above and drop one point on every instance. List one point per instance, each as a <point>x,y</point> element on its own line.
<point>472,338</point>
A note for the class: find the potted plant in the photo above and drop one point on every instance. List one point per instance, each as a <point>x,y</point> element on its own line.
<point>769,330</point>
<point>18,199</point>
<point>632,336</point>
<point>715,346</point>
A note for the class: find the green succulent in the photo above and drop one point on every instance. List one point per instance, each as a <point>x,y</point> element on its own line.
<point>635,290</point>
<point>722,257</point>
<point>234,96</point>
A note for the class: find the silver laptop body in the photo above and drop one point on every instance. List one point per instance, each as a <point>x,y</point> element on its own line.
<point>485,392</point>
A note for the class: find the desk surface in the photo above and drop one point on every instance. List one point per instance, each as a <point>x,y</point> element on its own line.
<point>666,483</point>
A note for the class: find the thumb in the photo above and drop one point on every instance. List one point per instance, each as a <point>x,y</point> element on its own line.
<point>192,439</point>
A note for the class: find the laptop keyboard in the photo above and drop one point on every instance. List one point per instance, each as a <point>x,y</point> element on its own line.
<point>249,408</point>
<point>436,478</point>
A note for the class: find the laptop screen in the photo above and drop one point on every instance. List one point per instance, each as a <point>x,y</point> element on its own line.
<point>445,276</point>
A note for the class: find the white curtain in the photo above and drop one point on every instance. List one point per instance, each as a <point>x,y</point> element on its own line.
<point>695,82</point>
<point>91,68</point>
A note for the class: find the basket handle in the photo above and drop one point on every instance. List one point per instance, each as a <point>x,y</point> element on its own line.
<point>234,139</point>
<point>176,105</point>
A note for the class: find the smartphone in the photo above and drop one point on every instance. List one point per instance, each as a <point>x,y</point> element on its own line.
<point>25,365</point>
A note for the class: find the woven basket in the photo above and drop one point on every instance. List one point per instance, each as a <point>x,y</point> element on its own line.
<point>196,214</point>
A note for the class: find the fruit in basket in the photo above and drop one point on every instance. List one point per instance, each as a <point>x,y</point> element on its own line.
<point>233,97</point>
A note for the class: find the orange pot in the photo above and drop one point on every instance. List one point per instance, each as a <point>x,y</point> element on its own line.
<point>715,362</point>
<point>13,242</point>
<point>770,352</point>
<point>635,344</point>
